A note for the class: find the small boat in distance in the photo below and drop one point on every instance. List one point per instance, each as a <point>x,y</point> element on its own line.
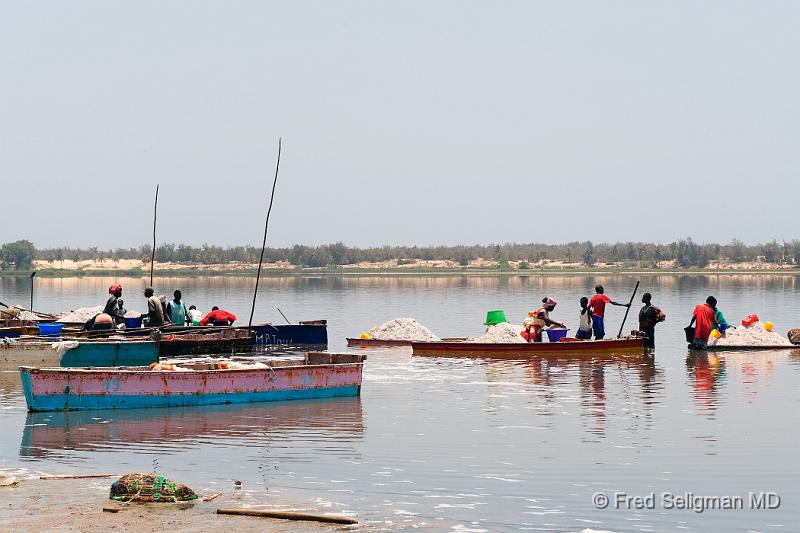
<point>317,375</point>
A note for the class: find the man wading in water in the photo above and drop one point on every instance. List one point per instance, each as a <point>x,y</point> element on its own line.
<point>704,321</point>
<point>649,316</point>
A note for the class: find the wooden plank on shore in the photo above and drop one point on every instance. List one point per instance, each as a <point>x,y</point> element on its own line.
<point>76,476</point>
<point>290,515</point>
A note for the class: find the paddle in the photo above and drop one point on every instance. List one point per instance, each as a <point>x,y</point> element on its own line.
<point>636,288</point>
<point>284,316</point>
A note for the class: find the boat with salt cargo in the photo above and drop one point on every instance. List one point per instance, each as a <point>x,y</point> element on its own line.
<point>358,342</point>
<point>747,348</point>
<point>626,346</point>
<point>43,351</point>
<point>317,375</point>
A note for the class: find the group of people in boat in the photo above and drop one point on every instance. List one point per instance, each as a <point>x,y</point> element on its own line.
<point>706,317</point>
<point>160,312</point>
<point>591,321</point>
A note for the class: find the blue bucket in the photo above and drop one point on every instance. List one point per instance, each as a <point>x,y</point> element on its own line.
<point>555,335</point>
<point>50,329</point>
<point>133,322</point>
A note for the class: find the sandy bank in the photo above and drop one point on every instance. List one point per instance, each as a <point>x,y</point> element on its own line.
<point>77,505</point>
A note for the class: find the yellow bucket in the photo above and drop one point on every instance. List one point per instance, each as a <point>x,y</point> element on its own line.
<point>365,335</point>
<point>716,334</point>
<point>769,326</point>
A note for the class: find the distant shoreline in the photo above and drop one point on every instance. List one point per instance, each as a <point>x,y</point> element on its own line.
<point>220,270</point>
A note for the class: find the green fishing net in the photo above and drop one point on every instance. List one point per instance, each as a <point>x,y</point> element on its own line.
<point>150,488</point>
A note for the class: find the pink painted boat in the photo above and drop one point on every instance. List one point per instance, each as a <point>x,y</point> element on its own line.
<point>318,375</point>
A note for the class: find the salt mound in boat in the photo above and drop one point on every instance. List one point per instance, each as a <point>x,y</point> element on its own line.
<point>24,314</point>
<point>502,333</point>
<point>80,315</point>
<point>402,329</point>
<point>754,335</point>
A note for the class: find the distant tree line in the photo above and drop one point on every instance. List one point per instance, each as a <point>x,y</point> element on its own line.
<point>685,252</point>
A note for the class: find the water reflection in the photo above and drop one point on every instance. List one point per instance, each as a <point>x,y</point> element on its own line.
<point>706,374</point>
<point>329,426</point>
<point>602,383</point>
<point>10,388</point>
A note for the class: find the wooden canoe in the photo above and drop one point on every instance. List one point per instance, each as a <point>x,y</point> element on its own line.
<point>226,341</point>
<point>357,342</point>
<point>312,334</point>
<point>629,346</point>
<point>318,375</point>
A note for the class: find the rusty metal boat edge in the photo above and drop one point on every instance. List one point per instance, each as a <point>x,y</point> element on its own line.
<point>319,375</point>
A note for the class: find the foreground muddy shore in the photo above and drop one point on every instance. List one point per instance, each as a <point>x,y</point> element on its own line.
<point>77,505</point>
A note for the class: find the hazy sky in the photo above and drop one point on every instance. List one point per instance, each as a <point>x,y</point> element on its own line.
<point>403,123</point>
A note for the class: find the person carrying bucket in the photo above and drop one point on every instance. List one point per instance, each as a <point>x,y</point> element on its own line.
<point>537,320</point>
<point>703,322</point>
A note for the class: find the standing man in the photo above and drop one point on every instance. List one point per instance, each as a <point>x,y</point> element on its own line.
<point>155,314</point>
<point>704,321</point>
<point>649,316</point>
<point>598,306</point>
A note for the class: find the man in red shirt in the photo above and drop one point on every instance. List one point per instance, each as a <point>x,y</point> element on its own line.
<point>704,320</point>
<point>597,304</point>
<point>218,317</point>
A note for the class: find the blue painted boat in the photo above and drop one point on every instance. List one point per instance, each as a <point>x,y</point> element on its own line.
<point>319,375</point>
<point>313,333</point>
<point>72,353</point>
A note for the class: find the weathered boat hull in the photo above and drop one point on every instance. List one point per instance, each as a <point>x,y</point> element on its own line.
<point>374,343</point>
<point>224,342</point>
<point>311,334</point>
<point>91,353</point>
<point>57,389</point>
<point>632,346</point>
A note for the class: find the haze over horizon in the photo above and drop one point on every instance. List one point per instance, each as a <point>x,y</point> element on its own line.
<point>408,123</point>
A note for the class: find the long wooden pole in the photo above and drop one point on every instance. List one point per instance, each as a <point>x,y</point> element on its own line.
<point>636,288</point>
<point>33,274</point>
<point>266,227</point>
<point>291,515</point>
<point>153,252</point>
